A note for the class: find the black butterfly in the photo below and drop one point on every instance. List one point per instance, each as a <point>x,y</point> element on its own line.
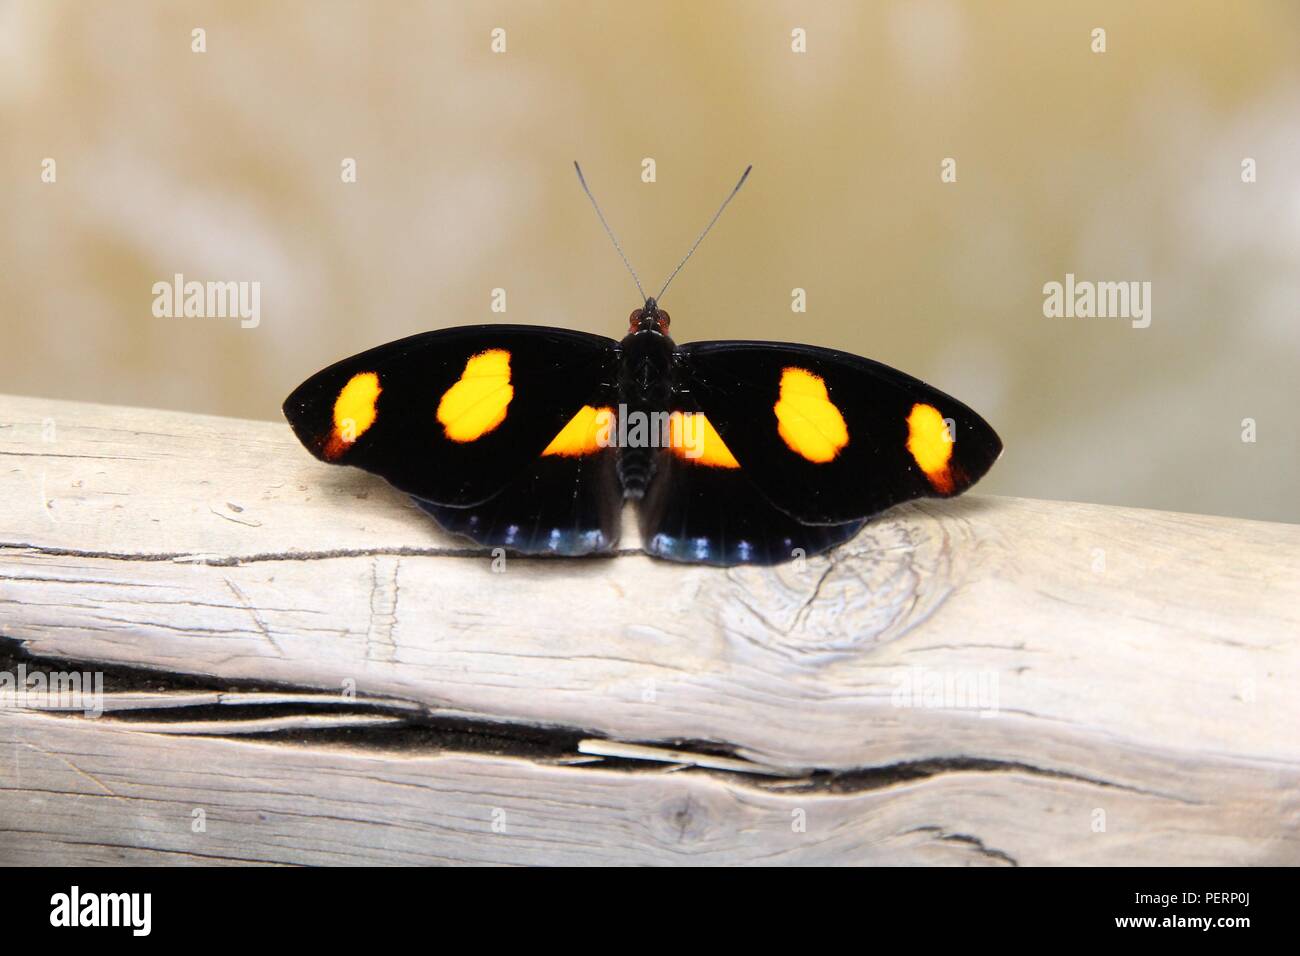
<point>531,439</point>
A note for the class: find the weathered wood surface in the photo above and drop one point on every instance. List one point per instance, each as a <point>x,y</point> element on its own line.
<point>984,680</point>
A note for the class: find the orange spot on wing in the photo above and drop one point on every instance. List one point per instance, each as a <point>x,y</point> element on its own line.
<point>355,410</point>
<point>807,420</point>
<point>586,433</point>
<point>692,437</point>
<point>478,400</point>
<point>930,442</point>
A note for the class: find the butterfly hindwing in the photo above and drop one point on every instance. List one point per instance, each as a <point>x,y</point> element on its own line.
<point>568,501</point>
<point>828,437</point>
<point>699,511</point>
<point>453,416</point>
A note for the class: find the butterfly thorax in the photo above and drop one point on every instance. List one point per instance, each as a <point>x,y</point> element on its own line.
<point>645,386</point>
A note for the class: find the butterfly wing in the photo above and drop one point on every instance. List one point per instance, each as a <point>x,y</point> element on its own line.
<point>568,500</point>
<point>703,507</point>
<point>454,416</point>
<point>828,437</point>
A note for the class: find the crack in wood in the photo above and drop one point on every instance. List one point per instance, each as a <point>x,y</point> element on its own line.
<point>968,840</point>
<point>383,611</point>
<point>257,618</point>
<point>233,561</point>
<point>408,728</point>
<point>109,791</point>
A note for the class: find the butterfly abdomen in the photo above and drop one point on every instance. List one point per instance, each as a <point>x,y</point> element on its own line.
<point>644,392</point>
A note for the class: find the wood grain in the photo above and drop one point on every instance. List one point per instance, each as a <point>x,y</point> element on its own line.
<point>982,680</point>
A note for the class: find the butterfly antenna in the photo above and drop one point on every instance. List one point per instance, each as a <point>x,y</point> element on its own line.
<point>743,177</point>
<point>612,238</point>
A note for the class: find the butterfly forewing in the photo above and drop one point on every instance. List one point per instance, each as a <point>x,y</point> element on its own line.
<point>454,416</point>
<point>829,437</point>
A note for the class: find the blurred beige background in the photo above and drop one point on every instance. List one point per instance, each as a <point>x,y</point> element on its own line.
<point>1126,165</point>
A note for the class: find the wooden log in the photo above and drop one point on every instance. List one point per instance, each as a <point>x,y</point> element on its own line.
<point>293,654</point>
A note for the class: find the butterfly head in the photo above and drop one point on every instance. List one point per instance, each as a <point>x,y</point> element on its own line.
<point>649,318</point>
